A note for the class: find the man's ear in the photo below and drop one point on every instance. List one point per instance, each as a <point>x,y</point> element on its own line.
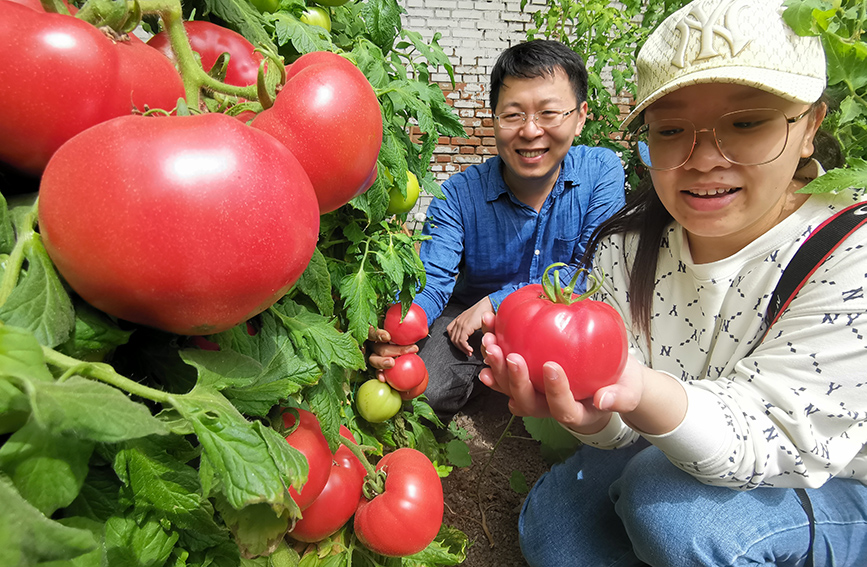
<point>582,118</point>
<point>818,115</point>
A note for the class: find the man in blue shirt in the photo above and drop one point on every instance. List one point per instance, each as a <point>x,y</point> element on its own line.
<point>505,221</point>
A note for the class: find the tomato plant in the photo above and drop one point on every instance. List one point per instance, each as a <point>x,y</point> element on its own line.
<point>337,501</point>
<point>411,505</point>
<point>146,79</point>
<point>543,322</point>
<point>377,401</point>
<point>150,242</point>
<point>408,329</point>
<point>210,41</point>
<point>398,203</point>
<point>328,115</point>
<point>308,439</point>
<point>407,373</point>
<point>59,76</point>
<point>266,6</point>
<point>317,16</point>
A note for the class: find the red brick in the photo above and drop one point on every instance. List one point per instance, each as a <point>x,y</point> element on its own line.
<point>484,132</point>
<point>467,150</point>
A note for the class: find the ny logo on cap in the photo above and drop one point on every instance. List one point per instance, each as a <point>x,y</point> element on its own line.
<point>707,24</point>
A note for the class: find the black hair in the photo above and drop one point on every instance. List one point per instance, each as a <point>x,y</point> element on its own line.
<point>538,58</point>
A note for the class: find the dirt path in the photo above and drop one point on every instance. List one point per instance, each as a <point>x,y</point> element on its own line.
<point>493,542</point>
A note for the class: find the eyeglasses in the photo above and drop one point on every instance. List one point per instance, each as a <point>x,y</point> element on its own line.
<point>542,118</point>
<point>743,137</point>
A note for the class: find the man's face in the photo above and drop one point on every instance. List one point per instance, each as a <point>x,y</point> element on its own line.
<point>532,154</point>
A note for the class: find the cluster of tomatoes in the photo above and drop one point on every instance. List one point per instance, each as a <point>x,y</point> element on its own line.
<point>409,502</point>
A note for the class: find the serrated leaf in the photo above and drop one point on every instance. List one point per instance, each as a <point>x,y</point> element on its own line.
<point>449,547</point>
<point>325,399</point>
<point>315,283</point>
<point>27,537</point>
<point>91,410</point>
<point>257,529</point>
<point>47,469</point>
<point>846,62</point>
<point>323,341</point>
<point>243,17</point>
<point>21,355</point>
<point>303,37</point>
<point>359,296</point>
<point>7,234</point>
<point>222,369</point>
<point>140,540</point>
<point>839,179</point>
<point>382,19</point>
<point>799,15</point>
<point>94,335</point>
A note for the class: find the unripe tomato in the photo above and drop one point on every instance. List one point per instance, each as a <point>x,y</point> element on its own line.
<point>397,203</point>
<point>266,6</point>
<point>190,224</point>
<point>310,441</point>
<point>411,329</point>
<point>377,401</point>
<point>332,2</point>
<point>317,16</point>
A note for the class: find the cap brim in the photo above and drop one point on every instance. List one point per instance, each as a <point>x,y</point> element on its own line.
<point>797,88</point>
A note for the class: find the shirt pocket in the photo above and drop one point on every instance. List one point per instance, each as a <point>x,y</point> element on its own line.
<point>565,248</point>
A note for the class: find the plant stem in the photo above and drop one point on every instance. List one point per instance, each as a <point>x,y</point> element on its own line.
<point>24,236</point>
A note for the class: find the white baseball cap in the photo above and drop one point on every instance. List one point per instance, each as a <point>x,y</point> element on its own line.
<point>744,42</point>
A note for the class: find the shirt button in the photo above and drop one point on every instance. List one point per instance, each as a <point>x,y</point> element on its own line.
<point>537,252</point>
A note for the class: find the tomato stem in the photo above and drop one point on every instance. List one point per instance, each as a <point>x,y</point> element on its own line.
<point>565,295</point>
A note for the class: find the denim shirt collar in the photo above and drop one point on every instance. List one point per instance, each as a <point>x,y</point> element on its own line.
<point>496,186</point>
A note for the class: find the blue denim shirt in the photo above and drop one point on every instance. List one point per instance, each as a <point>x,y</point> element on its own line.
<point>484,241</point>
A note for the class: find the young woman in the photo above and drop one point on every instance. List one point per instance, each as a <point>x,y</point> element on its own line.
<point>728,446</point>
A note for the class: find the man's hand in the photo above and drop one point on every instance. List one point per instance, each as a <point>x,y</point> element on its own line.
<point>464,325</point>
<point>384,352</point>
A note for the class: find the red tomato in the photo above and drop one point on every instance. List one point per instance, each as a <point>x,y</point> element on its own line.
<point>58,79</point>
<point>587,338</point>
<point>190,224</point>
<point>308,439</point>
<point>147,79</point>
<point>328,115</point>
<point>337,501</point>
<point>37,5</point>
<point>210,40</point>
<point>405,518</point>
<point>418,390</point>
<point>408,331</point>
<point>408,372</point>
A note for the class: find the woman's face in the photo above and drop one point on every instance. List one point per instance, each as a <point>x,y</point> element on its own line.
<point>724,206</point>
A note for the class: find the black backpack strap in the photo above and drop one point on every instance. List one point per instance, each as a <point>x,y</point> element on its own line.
<point>814,250</point>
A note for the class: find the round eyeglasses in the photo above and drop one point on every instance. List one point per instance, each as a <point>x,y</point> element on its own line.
<point>542,118</point>
<point>744,137</point>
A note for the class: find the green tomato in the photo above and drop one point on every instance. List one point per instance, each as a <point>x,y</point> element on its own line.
<point>266,6</point>
<point>397,203</point>
<point>317,16</point>
<point>376,401</point>
<point>331,2</point>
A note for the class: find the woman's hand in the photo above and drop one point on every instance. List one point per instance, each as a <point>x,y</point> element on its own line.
<point>464,325</point>
<point>384,352</point>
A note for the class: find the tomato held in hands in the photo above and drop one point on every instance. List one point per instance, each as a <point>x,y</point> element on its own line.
<point>377,401</point>
<point>58,79</point>
<point>409,330</point>
<point>337,501</point>
<point>407,516</point>
<point>310,441</point>
<point>587,338</point>
<point>328,115</point>
<point>408,372</point>
<point>190,224</point>
<point>418,390</point>
<point>210,41</point>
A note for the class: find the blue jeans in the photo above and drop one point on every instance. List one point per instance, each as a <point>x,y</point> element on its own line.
<point>632,507</point>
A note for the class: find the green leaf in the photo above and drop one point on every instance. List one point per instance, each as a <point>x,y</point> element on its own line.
<point>7,235</point>
<point>847,62</point>
<point>458,453</point>
<point>449,547</point>
<point>257,529</point>
<point>557,443</point>
<point>518,482</point>
<point>303,37</point>
<point>21,355</point>
<point>27,537</point>
<point>318,336</point>
<point>47,469</point>
<point>839,179</point>
<point>315,283</point>
<point>91,410</point>
<point>222,369</point>
<point>94,335</point>
<point>360,298</point>
<point>382,18</point>
<point>323,399</point>
<point>139,540</point>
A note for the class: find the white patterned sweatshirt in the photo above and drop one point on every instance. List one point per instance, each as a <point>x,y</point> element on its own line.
<point>787,412</point>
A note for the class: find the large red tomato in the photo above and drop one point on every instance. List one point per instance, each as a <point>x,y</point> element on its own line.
<point>406,330</point>
<point>210,40</point>
<point>146,79</point>
<point>308,439</point>
<point>587,338</point>
<point>337,501</point>
<point>189,224</point>
<point>328,115</point>
<point>405,518</point>
<point>57,78</point>
<point>408,372</point>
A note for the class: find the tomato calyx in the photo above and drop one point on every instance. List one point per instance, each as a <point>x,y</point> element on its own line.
<point>565,295</point>
<point>374,481</point>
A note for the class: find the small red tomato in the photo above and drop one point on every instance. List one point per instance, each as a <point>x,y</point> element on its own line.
<point>337,501</point>
<point>310,441</point>
<point>587,338</point>
<point>408,372</point>
<point>408,331</point>
<point>417,391</point>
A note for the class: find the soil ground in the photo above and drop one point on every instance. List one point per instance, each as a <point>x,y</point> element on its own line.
<point>494,538</point>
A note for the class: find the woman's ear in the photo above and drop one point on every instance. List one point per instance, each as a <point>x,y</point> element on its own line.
<point>816,118</point>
